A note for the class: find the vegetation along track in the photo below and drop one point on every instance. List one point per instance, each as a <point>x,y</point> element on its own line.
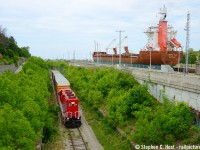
<point>76,141</point>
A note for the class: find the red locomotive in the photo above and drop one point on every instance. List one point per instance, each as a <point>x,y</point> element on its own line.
<point>68,102</point>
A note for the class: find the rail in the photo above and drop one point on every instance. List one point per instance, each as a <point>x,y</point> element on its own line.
<point>76,139</point>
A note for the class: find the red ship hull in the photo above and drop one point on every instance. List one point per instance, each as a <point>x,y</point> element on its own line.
<point>144,57</point>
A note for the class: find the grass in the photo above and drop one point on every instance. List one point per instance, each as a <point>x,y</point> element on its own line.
<point>109,139</point>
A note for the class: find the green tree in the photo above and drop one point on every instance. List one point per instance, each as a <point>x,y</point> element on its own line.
<point>25,96</point>
<point>193,56</point>
<point>169,123</point>
<point>24,52</point>
<point>15,130</point>
<point>10,50</point>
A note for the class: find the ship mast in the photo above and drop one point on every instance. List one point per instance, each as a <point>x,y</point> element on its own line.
<point>163,12</point>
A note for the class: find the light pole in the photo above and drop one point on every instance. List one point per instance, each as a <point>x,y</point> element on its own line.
<point>74,56</point>
<point>178,60</point>
<point>131,60</point>
<point>150,59</point>
<point>112,59</point>
<point>100,53</point>
<point>187,42</point>
<point>96,50</point>
<point>97,54</point>
<point>120,31</point>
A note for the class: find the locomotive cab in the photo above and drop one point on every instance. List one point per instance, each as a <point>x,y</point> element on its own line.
<point>73,116</point>
<point>70,110</point>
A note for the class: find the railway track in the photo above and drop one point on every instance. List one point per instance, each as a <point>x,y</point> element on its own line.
<point>76,141</point>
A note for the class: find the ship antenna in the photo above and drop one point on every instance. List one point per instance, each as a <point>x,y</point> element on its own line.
<point>187,41</point>
<point>163,12</point>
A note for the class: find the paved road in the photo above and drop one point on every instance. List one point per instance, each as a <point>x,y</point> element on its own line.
<point>19,69</point>
<point>7,67</point>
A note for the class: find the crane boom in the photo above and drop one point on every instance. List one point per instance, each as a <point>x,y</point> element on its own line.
<point>110,44</point>
<point>126,44</point>
<point>114,47</point>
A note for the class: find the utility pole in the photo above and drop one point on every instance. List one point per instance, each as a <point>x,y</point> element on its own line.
<point>95,49</point>
<point>150,60</point>
<point>187,41</point>
<point>68,56</point>
<point>90,56</point>
<point>179,60</point>
<point>97,54</point>
<point>120,32</point>
<point>96,44</point>
<point>99,48</point>
<point>74,55</point>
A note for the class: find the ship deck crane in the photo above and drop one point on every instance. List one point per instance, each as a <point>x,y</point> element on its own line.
<point>114,47</point>
<point>126,44</point>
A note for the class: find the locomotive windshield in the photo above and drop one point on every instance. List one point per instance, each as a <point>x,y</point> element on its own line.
<point>72,104</point>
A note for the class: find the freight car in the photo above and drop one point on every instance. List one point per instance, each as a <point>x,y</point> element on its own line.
<point>67,99</point>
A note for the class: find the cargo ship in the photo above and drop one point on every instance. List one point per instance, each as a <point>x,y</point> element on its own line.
<point>162,48</point>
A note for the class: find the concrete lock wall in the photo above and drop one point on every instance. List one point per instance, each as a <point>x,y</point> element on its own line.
<point>174,86</point>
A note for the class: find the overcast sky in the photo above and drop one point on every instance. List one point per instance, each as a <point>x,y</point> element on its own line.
<point>56,28</point>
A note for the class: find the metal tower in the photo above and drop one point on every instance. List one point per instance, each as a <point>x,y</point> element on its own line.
<point>187,42</point>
